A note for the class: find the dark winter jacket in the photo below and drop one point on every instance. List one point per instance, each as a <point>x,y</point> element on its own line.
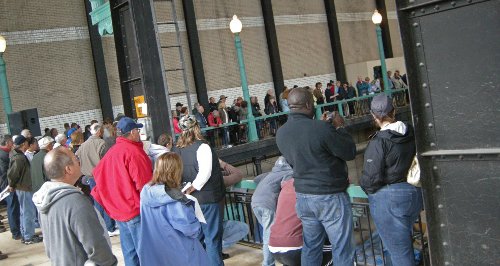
<point>317,153</point>
<point>388,157</point>
<point>19,173</point>
<point>4,166</point>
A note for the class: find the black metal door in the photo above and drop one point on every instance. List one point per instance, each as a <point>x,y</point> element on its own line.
<point>452,53</point>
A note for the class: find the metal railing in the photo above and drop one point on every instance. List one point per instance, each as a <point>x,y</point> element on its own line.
<point>369,249</point>
<point>267,125</point>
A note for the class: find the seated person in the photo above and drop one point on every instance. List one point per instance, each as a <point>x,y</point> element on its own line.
<point>285,242</point>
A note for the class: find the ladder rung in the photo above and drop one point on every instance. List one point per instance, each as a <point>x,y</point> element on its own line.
<point>131,80</point>
<point>166,23</point>
<point>177,93</point>
<point>120,4</point>
<point>173,69</point>
<point>170,46</point>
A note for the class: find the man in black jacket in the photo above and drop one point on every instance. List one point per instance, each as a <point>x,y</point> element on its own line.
<point>318,151</point>
<point>6,145</point>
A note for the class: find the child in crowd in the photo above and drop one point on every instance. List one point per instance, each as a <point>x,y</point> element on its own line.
<point>169,227</point>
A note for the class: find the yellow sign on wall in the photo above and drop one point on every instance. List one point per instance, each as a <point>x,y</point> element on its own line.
<point>140,106</point>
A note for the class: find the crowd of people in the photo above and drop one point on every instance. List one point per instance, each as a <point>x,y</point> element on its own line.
<point>166,200</point>
<point>220,112</point>
<point>302,203</point>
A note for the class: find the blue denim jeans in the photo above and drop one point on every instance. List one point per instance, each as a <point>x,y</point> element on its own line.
<point>212,232</point>
<point>394,209</point>
<point>265,217</point>
<point>13,215</point>
<point>27,212</point>
<point>110,223</point>
<point>129,239</point>
<point>326,215</point>
<point>233,231</point>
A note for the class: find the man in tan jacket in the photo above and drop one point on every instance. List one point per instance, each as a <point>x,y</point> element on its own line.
<point>90,154</point>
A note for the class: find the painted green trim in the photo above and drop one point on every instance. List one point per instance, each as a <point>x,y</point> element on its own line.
<point>101,16</point>
<point>252,128</point>
<point>4,85</point>
<point>381,52</point>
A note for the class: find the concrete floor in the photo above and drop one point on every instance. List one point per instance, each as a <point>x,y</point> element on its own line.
<point>21,254</point>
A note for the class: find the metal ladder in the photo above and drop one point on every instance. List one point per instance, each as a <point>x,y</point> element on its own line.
<point>173,13</point>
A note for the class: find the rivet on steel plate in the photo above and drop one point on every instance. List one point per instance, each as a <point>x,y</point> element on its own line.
<point>461,157</point>
<point>421,64</point>
<point>430,125</point>
<point>446,263</point>
<point>434,167</point>
<point>419,44</point>
<point>433,144</point>
<point>453,3</point>
<point>436,7</point>
<point>422,10</point>
<point>413,13</point>
<point>469,1</point>
<point>427,105</point>
<point>479,156</point>
<point>415,24</point>
<point>438,186</point>
<point>440,206</point>
<point>445,243</point>
<point>424,85</point>
<point>442,225</point>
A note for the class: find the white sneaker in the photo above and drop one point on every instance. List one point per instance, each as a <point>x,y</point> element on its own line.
<point>114,233</point>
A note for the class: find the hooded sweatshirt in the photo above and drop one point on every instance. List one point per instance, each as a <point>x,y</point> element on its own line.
<point>388,157</point>
<point>169,229</point>
<point>269,185</point>
<point>72,232</point>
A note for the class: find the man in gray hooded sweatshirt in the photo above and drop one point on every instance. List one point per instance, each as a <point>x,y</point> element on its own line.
<point>264,200</point>
<point>73,233</point>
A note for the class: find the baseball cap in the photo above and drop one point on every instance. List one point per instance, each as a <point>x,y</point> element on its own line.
<point>94,128</point>
<point>187,122</point>
<point>45,142</point>
<point>381,105</point>
<point>20,139</point>
<point>126,124</point>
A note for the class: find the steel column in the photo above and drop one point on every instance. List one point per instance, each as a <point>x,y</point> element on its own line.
<point>272,46</point>
<point>333,30</point>
<point>99,66</point>
<point>195,52</point>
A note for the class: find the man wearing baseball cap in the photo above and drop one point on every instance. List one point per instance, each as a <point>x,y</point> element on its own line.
<point>119,178</point>
<point>38,176</point>
<point>19,176</point>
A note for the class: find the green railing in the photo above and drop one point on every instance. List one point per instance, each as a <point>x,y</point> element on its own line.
<point>349,108</point>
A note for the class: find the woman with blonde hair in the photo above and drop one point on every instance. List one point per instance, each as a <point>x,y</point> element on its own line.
<point>204,181</point>
<point>76,140</point>
<point>169,227</point>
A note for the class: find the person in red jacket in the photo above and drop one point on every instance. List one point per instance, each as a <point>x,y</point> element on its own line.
<point>119,177</point>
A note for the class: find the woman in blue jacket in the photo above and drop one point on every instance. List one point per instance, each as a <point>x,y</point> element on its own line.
<point>169,227</point>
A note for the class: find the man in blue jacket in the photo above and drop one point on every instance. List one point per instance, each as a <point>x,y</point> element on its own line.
<point>318,151</point>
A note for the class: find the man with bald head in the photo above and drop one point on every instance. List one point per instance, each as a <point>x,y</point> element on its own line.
<point>318,150</point>
<point>72,230</point>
